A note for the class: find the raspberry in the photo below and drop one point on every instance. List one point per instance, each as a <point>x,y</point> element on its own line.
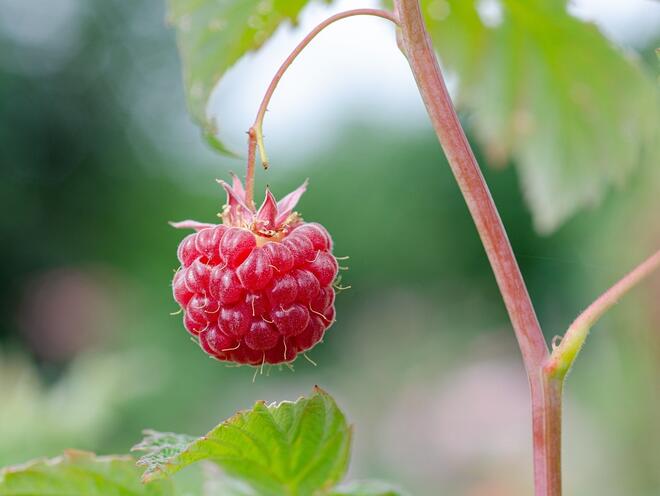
<point>257,288</point>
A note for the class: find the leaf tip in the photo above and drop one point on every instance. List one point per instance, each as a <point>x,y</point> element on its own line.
<point>319,390</point>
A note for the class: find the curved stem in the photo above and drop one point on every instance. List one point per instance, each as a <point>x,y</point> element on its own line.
<point>564,355</point>
<point>416,45</point>
<point>255,134</point>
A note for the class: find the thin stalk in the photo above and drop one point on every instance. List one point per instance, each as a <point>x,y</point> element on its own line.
<point>255,134</point>
<point>564,355</point>
<point>249,173</point>
<point>546,404</point>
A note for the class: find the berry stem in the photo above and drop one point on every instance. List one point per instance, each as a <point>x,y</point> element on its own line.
<point>255,134</point>
<point>546,395</point>
<point>249,173</point>
<point>564,355</point>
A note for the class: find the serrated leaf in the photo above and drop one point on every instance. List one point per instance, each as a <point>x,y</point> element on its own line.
<point>78,473</point>
<point>551,92</point>
<point>367,488</point>
<point>161,447</point>
<point>288,448</point>
<point>213,35</point>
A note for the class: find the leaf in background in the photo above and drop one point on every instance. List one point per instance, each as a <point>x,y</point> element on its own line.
<point>367,488</point>
<point>78,473</point>
<point>81,408</point>
<point>551,92</point>
<point>213,35</point>
<point>278,449</point>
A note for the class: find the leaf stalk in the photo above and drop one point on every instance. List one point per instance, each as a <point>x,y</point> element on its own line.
<point>564,354</point>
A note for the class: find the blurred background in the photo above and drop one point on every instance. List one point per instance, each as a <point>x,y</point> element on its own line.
<point>98,153</point>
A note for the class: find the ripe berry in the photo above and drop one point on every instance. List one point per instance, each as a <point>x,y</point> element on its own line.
<point>258,287</point>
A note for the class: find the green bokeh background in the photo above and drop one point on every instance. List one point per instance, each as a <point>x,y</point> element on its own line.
<point>422,357</point>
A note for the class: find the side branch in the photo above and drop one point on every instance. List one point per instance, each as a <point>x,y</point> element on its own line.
<point>255,134</point>
<point>564,355</point>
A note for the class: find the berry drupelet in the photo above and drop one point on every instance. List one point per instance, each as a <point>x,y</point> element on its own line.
<point>257,288</point>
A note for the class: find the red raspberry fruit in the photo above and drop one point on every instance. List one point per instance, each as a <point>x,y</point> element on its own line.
<point>257,288</point>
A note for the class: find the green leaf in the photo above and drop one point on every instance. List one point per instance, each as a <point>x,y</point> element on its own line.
<point>78,473</point>
<point>550,91</point>
<point>80,408</point>
<point>213,35</point>
<point>367,488</point>
<point>278,449</point>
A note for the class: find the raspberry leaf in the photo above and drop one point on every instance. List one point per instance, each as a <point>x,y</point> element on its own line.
<point>550,92</point>
<point>286,448</point>
<point>78,473</point>
<point>213,35</point>
<point>161,447</point>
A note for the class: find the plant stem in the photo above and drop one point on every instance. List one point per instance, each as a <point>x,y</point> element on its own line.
<point>564,355</point>
<point>255,134</point>
<point>471,182</point>
<point>249,173</point>
<point>546,396</point>
<point>552,397</point>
